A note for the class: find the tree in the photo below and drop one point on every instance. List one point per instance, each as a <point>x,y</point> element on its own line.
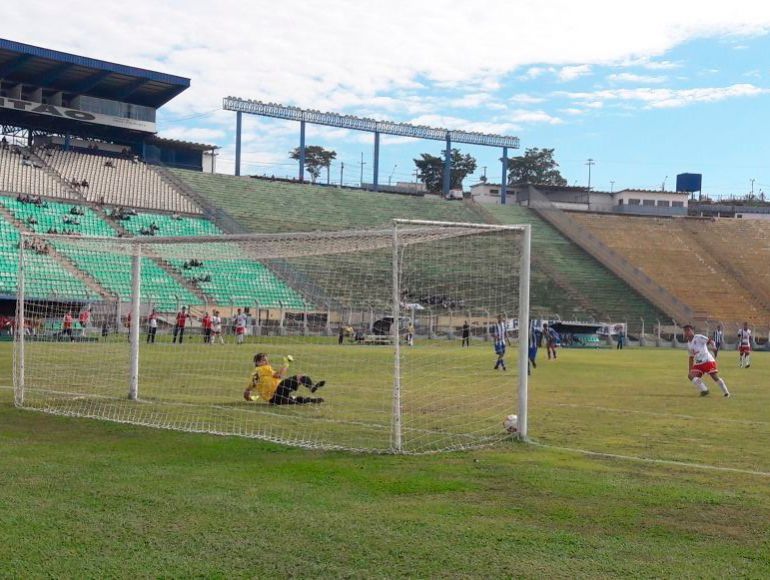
<point>536,166</point>
<point>431,170</point>
<point>316,158</point>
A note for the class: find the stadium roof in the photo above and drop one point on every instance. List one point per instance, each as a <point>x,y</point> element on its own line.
<point>189,145</point>
<point>278,111</point>
<point>42,67</point>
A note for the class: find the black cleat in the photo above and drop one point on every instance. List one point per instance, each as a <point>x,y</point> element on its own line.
<point>317,386</point>
<point>704,393</point>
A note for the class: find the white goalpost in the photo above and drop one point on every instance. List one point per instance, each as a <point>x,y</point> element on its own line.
<point>381,340</point>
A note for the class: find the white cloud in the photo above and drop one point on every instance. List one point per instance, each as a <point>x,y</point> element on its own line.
<point>572,111</point>
<point>646,62</point>
<point>471,101</point>
<point>634,78</point>
<point>524,99</point>
<point>526,116</point>
<point>327,57</point>
<point>666,98</point>
<point>458,123</point>
<point>533,72</point>
<point>310,57</point>
<point>570,73</point>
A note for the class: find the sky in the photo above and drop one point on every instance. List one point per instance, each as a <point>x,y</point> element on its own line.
<point>645,89</point>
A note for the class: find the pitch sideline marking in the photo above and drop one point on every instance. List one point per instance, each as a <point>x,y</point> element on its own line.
<point>672,462</point>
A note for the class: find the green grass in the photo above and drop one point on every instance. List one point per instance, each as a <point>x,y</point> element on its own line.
<point>82,498</point>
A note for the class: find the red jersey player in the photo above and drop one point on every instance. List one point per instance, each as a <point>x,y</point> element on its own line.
<point>744,346</point>
<point>702,362</point>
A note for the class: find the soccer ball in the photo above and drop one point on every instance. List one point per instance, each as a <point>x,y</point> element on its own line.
<point>511,424</point>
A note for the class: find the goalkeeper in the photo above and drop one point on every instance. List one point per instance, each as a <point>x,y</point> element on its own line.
<point>273,388</point>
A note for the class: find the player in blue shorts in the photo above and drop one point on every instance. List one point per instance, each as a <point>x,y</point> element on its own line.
<point>500,335</point>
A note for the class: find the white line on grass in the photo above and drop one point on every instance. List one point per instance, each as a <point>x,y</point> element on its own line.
<point>602,454</point>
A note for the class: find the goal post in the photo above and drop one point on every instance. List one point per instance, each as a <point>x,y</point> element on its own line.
<point>391,327</point>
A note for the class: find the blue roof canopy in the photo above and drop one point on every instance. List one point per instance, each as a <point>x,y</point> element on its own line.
<point>61,71</point>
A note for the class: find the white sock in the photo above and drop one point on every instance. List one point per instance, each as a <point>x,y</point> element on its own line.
<point>748,360</point>
<point>723,386</point>
<point>699,384</point>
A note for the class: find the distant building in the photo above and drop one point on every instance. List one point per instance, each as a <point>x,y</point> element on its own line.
<point>646,201</point>
<point>627,201</point>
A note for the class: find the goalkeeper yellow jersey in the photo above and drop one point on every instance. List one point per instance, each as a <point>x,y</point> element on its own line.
<point>263,380</point>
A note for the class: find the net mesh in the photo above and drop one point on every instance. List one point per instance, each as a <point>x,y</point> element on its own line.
<point>320,305</point>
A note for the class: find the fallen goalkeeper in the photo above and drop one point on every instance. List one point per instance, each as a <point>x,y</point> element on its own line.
<point>271,386</point>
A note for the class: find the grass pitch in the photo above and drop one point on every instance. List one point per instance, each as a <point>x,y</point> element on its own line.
<point>680,490</point>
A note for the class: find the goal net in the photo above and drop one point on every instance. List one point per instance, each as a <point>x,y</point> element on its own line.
<point>379,340</point>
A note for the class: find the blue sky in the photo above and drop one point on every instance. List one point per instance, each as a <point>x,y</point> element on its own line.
<point>648,91</point>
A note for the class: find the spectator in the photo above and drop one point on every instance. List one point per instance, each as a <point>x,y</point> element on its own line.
<point>341,335</point>
<point>466,335</point>
<point>206,324</point>
<point>152,326</point>
<point>85,320</point>
<point>240,327</point>
<point>66,326</point>
<point>181,322</point>
<point>551,340</point>
<point>216,328</point>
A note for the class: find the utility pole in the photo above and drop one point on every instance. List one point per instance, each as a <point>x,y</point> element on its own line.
<point>752,187</point>
<point>390,177</point>
<point>484,177</point>
<point>342,171</point>
<point>590,162</point>
<point>612,186</point>
<point>361,182</point>
<point>663,185</point>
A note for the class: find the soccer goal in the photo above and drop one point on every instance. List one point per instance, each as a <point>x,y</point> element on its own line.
<point>383,340</point>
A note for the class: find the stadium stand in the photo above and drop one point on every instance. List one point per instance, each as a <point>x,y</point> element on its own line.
<point>28,176</point>
<point>565,281</point>
<point>169,225</point>
<point>227,282</point>
<point>741,247</point>
<point>62,217</point>
<point>672,256</point>
<point>113,274</point>
<point>586,283</point>
<point>44,273</point>
<point>262,205</point>
<point>119,181</point>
